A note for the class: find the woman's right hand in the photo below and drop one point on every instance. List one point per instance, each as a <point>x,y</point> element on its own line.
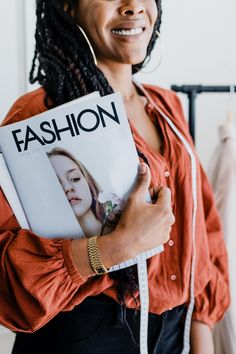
<point>143,225</point>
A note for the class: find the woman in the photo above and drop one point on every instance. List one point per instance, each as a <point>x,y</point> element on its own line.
<point>82,192</point>
<point>61,300</point>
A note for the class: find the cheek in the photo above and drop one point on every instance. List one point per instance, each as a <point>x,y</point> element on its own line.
<point>85,192</point>
<point>88,198</point>
<point>153,12</point>
<point>99,29</point>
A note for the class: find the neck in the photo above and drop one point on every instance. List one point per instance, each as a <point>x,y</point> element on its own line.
<point>120,79</point>
<point>90,224</point>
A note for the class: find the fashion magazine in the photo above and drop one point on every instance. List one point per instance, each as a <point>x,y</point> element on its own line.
<point>67,172</point>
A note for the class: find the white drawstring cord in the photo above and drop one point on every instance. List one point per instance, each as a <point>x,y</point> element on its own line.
<point>187,327</point>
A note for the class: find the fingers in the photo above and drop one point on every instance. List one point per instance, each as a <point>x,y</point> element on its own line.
<point>142,183</point>
<point>161,196</point>
<point>154,193</point>
<point>164,197</point>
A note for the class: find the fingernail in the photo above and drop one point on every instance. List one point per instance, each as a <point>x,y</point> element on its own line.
<point>142,169</point>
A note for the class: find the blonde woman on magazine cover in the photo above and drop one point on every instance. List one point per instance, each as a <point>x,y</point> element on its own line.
<point>50,293</point>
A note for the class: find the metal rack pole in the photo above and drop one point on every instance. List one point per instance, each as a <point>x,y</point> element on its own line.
<point>192,91</point>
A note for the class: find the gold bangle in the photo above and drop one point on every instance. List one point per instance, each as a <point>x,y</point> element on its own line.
<point>94,256</point>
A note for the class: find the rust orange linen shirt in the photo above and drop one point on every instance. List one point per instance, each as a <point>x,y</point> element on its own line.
<point>38,278</point>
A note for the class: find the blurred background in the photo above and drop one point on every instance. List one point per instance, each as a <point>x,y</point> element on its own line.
<point>198,40</point>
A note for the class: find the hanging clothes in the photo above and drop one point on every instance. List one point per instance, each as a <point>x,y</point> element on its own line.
<point>222,174</point>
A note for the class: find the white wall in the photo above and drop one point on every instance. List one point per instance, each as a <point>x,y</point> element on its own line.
<point>12,68</point>
<point>198,41</point>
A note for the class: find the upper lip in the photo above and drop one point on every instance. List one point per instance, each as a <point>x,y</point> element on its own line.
<point>71,198</point>
<point>130,25</point>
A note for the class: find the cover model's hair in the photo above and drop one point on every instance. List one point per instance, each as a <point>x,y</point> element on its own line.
<point>63,65</point>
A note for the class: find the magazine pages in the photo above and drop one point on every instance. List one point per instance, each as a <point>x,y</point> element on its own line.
<point>73,168</point>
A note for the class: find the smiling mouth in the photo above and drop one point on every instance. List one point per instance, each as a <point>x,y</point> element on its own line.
<point>128,32</point>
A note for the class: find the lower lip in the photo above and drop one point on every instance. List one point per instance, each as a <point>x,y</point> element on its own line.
<point>129,38</point>
<point>75,201</point>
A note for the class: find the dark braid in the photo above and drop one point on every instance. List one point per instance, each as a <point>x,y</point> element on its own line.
<point>64,67</point>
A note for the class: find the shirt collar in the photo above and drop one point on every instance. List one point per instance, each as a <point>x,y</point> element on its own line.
<point>145,92</point>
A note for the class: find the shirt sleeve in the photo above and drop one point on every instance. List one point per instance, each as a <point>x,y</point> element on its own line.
<point>38,278</point>
<point>212,303</point>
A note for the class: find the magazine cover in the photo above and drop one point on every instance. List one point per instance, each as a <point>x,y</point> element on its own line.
<point>73,167</point>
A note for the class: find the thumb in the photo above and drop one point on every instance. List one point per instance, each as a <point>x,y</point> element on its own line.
<point>143,182</point>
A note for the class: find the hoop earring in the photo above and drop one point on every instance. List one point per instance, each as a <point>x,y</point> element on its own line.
<point>147,60</point>
<point>89,44</point>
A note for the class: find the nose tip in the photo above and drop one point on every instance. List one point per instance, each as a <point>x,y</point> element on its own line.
<point>130,10</point>
<point>68,188</point>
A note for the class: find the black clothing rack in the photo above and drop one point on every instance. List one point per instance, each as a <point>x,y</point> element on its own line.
<point>192,91</point>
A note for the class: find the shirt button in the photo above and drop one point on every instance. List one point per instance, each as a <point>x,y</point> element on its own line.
<point>173,277</point>
<point>149,106</point>
<point>166,173</point>
<point>171,243</point>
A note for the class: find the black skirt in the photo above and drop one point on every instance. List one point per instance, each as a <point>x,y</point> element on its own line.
<point>97,326</point>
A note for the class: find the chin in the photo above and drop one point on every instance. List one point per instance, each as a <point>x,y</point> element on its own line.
<point>134,60</point>
<point>139,62</point>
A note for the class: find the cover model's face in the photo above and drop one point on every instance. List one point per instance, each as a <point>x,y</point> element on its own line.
<point>119,30</point>
<point>74,184</point>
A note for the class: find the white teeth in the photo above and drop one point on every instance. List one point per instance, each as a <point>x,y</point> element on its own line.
<point>132,32</point>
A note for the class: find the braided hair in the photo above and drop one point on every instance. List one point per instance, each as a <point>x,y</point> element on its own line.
<point>63,65</point>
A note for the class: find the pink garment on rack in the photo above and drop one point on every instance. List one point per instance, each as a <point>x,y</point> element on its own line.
<point>222,174</point>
